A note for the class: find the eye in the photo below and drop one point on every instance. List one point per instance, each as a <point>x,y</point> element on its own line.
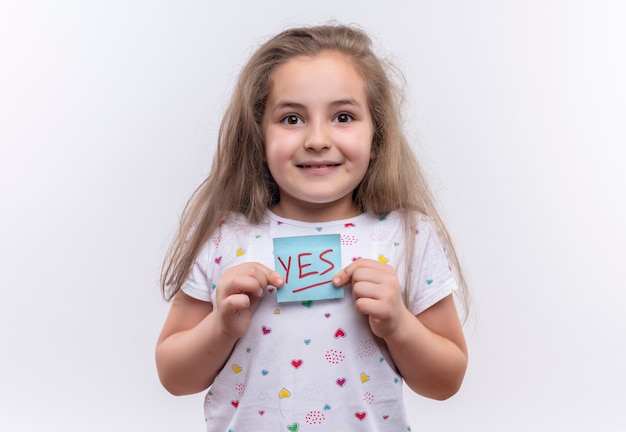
<point>291,119</point>
<point>344,118</point>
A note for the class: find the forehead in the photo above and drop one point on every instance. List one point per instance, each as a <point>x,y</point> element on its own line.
<point>324,74</point>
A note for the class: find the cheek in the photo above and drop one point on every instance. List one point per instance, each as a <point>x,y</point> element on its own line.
<point>279,144</point>
<point>269,145</point>
<point>275,155</point>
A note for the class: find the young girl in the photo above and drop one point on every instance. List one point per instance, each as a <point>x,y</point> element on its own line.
<point>311,150</point>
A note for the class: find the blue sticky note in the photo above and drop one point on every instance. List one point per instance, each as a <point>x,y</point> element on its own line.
<point>307,264</point>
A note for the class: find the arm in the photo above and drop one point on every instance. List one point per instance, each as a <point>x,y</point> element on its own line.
<point>190,350</point>
<point>197,339</point>
<point>429,349</point>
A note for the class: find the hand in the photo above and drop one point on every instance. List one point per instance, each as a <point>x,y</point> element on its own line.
<point>376,291</point>
<point>239,292</point>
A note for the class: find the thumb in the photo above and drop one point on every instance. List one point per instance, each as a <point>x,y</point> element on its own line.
<point>273,278</point>
<point>344,276</point>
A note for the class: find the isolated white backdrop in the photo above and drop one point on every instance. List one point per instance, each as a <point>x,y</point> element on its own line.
<point>108,116</point>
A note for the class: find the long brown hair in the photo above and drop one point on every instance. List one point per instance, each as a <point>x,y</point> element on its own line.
<point>240,181</point>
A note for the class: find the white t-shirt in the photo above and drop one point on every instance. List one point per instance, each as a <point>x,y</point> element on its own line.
<point>313,366</point>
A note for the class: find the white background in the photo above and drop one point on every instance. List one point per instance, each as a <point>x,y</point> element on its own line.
<point>108,117</point>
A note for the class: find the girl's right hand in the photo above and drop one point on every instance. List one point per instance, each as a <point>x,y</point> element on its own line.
<point>239,291</point>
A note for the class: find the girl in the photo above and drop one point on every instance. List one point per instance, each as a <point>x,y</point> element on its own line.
<point>311,149</point>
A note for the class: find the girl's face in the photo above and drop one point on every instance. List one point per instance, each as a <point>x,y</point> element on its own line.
<point>318,136</point>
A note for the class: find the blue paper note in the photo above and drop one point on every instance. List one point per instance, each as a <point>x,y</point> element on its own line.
<point>307,264</point>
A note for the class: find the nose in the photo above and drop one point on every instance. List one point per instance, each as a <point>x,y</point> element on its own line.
<point>318,136</point>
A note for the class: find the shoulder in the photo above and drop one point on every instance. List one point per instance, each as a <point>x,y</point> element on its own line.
<point>425,227</point>
<point>432,272</point>
<point>409,224</point>
<point>222,249</point>
<point>233,226</point>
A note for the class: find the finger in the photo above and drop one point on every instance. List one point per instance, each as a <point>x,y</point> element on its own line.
<point>344,276</point>
<point>253,279</point>
<point>341,278</point>
<point>366,290</point>
<point>246,280</point>
<point>355,270</point>
<point>275,279</point>
<point>236,302</point>
<point>367,306</point>
<point>266,276</point>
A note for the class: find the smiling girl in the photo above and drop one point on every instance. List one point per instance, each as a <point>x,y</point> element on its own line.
<point>311,145</point>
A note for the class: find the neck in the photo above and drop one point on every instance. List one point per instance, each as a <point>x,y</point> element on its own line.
<point>313,212</point>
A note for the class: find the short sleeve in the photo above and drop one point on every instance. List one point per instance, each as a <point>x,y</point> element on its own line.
<point>432,278</point>
<point>198,282</point>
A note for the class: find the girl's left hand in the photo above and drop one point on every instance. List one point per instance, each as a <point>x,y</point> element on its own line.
<point>376,292</point>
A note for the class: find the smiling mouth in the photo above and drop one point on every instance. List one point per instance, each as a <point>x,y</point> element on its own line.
<point>318,166</point>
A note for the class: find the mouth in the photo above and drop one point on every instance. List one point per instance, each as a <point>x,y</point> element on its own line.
<point>318,166</point>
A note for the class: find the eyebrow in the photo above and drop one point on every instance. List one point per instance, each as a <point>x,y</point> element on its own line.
<point>296,105</point>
